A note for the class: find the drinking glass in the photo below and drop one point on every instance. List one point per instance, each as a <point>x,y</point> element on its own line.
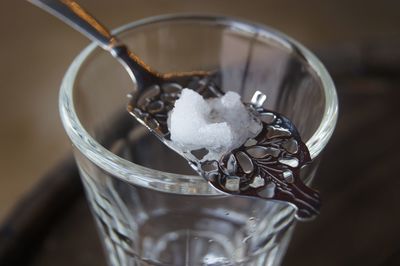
<point>149,206</point>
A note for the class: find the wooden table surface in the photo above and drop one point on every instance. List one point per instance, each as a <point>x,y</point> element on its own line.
<point>358,179</point>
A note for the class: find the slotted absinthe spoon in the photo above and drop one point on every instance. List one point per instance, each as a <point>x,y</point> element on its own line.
<point>266,166</point>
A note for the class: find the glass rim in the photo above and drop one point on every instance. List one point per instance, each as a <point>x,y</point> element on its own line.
<point>164,181</point>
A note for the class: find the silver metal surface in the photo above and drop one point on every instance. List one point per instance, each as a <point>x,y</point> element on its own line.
<point>258,99</point>
<point>70,12</point>
<point>78,18</point>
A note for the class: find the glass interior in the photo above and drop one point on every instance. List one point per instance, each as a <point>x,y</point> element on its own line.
<point>141,226</point>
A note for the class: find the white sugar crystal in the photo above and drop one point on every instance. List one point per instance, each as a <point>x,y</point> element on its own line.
<point>218,124</point>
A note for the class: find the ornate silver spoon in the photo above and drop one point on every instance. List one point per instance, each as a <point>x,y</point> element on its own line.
<point>266,167</point>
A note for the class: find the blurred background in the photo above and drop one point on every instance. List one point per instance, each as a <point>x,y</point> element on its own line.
<point>36,50</point>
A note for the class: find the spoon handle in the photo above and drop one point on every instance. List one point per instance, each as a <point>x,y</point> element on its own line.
<point>73,14</point>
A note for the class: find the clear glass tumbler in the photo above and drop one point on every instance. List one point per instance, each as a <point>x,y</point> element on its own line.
<point>150,208</point>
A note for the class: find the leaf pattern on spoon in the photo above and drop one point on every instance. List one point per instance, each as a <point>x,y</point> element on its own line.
<point>266,166</point>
